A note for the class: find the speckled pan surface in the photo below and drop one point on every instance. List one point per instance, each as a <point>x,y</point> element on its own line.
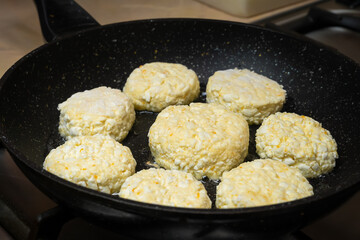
<point>319,83</point>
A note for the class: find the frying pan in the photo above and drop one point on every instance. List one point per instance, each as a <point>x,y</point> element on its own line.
<point>81,54</point>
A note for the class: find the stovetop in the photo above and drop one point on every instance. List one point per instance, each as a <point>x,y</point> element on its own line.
<point>334,24</point>
<point>26,213</point>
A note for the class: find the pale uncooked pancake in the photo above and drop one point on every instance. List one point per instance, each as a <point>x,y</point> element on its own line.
<point>298,141</point>
<point>242,91</point>
<point>97,162</point>
<point>261,182</point>
<point>154,86</point>
<point>202,139</point>
<point>166,187</point>
<point>101,110</point>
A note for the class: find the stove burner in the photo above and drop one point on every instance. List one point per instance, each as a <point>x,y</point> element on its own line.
<point>338,28</point>
<point>350,3</point>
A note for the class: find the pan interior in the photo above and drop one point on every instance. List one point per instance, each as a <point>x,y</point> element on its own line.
<point>319,83</point>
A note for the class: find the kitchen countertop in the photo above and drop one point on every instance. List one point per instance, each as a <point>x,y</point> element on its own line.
<point>20,33</point>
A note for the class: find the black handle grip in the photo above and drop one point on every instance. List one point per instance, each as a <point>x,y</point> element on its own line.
<point>61,17</point>
<point>322,16</point>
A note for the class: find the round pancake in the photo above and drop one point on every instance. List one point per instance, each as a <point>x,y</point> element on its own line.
<point>261,182</point>
<point>97,162</point>
<point>246,92</point>
<point>101,110</point>
<point>154,86</point>
<point>298,141</point>
<point>166,187</point>
<point>202,139</point>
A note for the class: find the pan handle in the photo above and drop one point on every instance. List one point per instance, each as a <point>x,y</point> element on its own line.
<point>59,18</point>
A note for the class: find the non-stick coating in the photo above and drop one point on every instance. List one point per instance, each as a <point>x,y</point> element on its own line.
<point>320,83</point>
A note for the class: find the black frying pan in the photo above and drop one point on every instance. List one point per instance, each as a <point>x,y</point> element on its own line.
<point>320,83</point>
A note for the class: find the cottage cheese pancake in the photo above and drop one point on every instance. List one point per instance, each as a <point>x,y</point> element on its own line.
<point>261,182</point>
<point>156,85</point>
<point>97,162</point>
<point>246,92</point>
<point>299,141</point>
<point>202,139</point>
<point>166,187</point>
<point>102,110</point>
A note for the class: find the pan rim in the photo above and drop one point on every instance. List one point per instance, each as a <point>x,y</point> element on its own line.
<point>156,20</point>
<point>132,206</point>
<point>166,209</point>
